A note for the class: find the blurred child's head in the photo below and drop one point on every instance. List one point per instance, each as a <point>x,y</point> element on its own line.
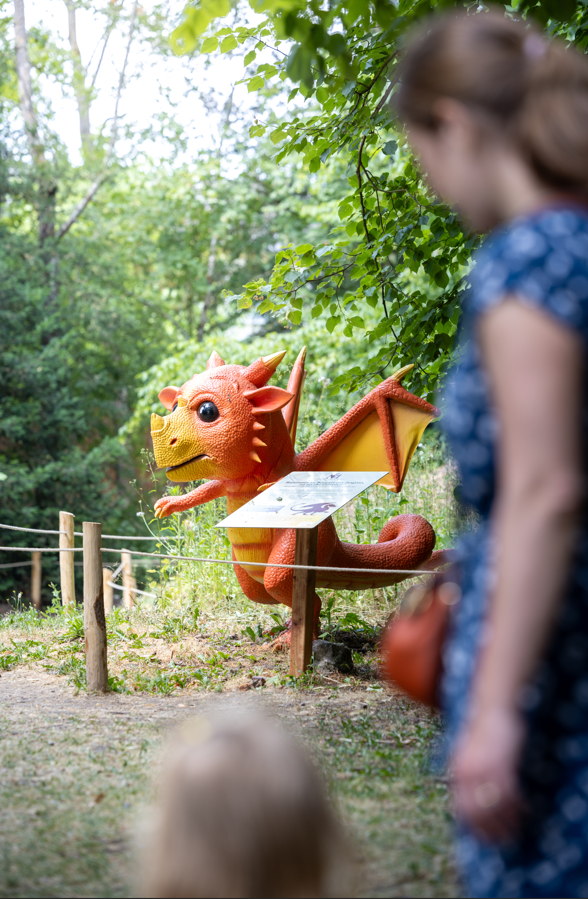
<point>242,813</point>
<point>491,107</point>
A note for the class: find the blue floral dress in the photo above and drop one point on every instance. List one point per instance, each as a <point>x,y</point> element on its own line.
<point>543,258</point>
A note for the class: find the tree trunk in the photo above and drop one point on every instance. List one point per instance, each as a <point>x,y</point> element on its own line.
<point>79,83</point>
<point>23,73</point>
<point>47,186</point>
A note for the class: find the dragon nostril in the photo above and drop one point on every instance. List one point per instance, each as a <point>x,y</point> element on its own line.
<point>173,441</point>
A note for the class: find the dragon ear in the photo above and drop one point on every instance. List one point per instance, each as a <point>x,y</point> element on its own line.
<point>261,371</point>
<point>168,396</point>
<point>267,399</point>
<point>214,361</point>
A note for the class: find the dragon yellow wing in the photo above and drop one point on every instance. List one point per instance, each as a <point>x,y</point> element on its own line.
<point>380,433</point>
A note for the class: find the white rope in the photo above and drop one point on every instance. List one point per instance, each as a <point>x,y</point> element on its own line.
<point>118,536</point>
<point>15,564</point>
<point>117,571</point>
<point>134,590</point>
<point>39,549</point>
<point>12,527</point>
<point>420,572</point>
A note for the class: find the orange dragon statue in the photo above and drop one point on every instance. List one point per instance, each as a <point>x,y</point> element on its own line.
<point>228,427</point>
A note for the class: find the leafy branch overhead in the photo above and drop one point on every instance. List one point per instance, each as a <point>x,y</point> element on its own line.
<point>394,268</point>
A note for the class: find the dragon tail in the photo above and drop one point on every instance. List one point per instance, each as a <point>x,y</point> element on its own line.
<point>406,542</point>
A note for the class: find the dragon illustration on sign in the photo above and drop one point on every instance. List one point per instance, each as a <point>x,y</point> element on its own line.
<point>227,426</point>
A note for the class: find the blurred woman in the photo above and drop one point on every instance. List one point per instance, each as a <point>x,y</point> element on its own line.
<point>498,117</point>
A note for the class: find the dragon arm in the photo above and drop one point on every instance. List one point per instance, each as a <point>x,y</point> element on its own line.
<point>379,433</point>
<point>167,505</point>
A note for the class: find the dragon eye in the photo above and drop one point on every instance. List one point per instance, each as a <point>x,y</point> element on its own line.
<point>207,411</point>
<point>174,407</point>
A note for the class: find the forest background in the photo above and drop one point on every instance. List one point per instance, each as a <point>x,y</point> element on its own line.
<point>228,177</point>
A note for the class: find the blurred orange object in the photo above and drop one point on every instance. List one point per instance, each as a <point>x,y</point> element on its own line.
<point>412,643</point>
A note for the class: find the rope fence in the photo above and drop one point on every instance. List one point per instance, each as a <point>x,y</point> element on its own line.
<point>99,581</point>
<point>13,527</point>
<point>416,572</point>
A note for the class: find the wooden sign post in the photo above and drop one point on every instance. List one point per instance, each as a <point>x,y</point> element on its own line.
<point>108,591</point>
<point>128,581</point>
<point>302,500</point>
<point>36,580</point>
<point>66,559</point>
<point>303,595</point>
<point>94,620</point>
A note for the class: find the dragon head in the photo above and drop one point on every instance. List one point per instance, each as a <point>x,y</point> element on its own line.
<point>218,419</point>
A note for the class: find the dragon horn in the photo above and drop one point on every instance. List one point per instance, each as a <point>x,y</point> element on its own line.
<point>214,361</point>
<point>261,371</point>
<point>398,375</point>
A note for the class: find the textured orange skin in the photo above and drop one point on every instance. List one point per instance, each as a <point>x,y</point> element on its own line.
<point>249,446</point>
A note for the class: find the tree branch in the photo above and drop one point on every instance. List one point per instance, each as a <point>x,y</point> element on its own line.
<point>121,81</point>
<point>82,205</point>
<point>104,46</point>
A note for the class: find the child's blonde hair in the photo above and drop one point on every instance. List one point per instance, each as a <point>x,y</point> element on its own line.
<point>243,813</point>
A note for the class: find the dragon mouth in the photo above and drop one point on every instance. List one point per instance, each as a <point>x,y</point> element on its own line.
<point>187,462</point>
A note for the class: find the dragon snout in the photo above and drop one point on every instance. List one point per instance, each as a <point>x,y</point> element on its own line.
<point>157,423</point>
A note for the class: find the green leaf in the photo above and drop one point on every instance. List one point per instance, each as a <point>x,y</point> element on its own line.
<point>255,83</point>
<point>209,45</point>
<point>249,58</point>
<point>229,43</point>
<point>303,248</point>
<point>277,136</point>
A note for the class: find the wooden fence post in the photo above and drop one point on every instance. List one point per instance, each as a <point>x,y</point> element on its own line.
<point>128,581</point>
<point>303,595</point>
<point>108,590</point>
<point>66,559</point>
<point>94,620</point>
<point>36,580</point>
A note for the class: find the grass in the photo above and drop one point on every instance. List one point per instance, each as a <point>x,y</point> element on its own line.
<point>63,800</point>
<point>73,779</point>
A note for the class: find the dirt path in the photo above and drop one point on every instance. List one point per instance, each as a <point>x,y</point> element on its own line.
<point>76,773</point>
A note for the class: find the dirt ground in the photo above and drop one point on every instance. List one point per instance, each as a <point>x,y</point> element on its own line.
<point>77,774</point>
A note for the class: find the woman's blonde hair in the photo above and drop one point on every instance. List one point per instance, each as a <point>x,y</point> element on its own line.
<point>533,88</point>
<point>242,813</point>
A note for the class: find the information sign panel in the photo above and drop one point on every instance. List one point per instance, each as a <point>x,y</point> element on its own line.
<point>302,499</point>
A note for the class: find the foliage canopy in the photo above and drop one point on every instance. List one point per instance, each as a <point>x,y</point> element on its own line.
<point>393,270</point>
